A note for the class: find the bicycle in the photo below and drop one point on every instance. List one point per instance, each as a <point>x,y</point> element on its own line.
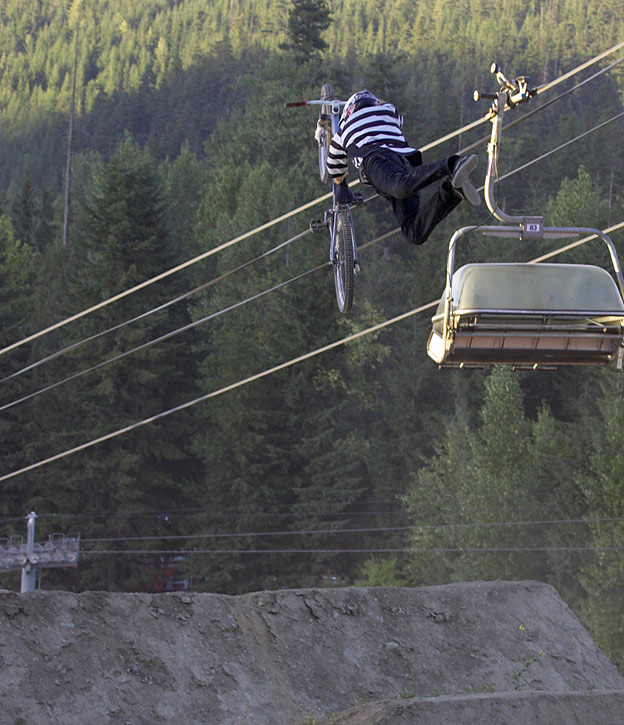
<point>338,219</point>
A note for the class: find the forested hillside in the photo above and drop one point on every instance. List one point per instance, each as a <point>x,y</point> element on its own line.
<point>180,143</point>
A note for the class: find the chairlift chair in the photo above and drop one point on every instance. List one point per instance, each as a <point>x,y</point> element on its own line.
<point>529,315</point>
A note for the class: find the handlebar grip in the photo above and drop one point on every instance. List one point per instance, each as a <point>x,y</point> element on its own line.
<point>295,104</point>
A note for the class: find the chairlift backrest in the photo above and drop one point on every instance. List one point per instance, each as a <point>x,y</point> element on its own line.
<point>536,288</point>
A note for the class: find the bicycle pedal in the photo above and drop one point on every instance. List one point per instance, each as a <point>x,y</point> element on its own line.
<point>318,225</point>
<point>358,198</point>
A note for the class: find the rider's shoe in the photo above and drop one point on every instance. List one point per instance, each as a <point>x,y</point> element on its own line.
<point>343,193</point>
<point>459,180</point>
<point>469,193</point>
<point>463,168</point>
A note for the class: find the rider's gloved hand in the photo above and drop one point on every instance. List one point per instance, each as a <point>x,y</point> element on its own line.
<point>319,130</point>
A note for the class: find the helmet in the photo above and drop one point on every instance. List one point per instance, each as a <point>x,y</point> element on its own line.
<point>358,100</point>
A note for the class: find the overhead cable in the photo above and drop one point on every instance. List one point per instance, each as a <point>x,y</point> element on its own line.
<point>592,61</point>
<point>232,386</point>
<point>544,106</point>
<point>438,550</point>
<point>271,223</point>
<point>223,276</point>
<point>577,243</point>
<point>162,338</point>
<point>221,391</point>
<point>541,89</point>
<point>164,275</point>
<point>563,145</point>
<point>164,306</point>
<point>296,511</point>
<point>281,285</point>
<point>236,385</point>
<point>200,288</point>
<point>364,530</point>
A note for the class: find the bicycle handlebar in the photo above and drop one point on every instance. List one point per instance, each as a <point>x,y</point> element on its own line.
<point>329,102</point>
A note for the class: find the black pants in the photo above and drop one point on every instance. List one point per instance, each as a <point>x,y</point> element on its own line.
<point>395,178</point>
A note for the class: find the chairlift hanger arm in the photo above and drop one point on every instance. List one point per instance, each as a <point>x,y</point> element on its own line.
<point>510,94</point>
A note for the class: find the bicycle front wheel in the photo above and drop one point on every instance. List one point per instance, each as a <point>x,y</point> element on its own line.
<point>327,94</point>
<point>344,261</point>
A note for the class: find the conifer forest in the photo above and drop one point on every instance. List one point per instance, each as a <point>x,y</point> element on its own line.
<point>366,464</point>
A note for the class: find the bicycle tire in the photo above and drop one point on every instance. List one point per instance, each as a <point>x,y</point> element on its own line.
<point>327,94</point>
<point>344,262</point>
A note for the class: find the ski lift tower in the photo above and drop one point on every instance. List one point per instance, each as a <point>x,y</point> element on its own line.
<point>59,550</point>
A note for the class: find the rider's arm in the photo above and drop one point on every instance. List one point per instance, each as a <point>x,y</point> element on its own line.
<point>337,159</point>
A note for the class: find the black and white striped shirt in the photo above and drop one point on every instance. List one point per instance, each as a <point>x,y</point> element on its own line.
<point>366,130</point>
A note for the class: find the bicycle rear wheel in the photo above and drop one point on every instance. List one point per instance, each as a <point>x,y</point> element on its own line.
<point>344,261</point>
<point>327,94</point>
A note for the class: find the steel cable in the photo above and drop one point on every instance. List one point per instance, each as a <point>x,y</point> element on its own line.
<point>273,222</point>
<point>281,285</point>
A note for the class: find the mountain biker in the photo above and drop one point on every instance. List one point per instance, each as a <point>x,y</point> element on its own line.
<point>370,135</point>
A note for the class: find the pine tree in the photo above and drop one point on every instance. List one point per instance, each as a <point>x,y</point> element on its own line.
<point>602,488</point>
<point>480,482</point>
<point>46,227</point>
<point>120,239</point>
<point>24,212</point>
<point>283,451</point>
<point>307,20</point>
<point>17,265</point>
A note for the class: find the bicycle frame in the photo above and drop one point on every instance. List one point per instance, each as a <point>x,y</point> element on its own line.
<point>338,219</point>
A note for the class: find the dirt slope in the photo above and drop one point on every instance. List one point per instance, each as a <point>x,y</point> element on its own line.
<point>491,652</point>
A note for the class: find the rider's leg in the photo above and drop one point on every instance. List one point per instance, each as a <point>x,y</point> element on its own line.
<point>393,176</point>
<point>418,222</point>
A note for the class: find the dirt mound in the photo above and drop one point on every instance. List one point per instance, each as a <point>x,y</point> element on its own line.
<point>505,652</point>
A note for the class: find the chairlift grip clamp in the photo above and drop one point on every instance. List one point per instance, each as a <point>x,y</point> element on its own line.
<point>516,91</point>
